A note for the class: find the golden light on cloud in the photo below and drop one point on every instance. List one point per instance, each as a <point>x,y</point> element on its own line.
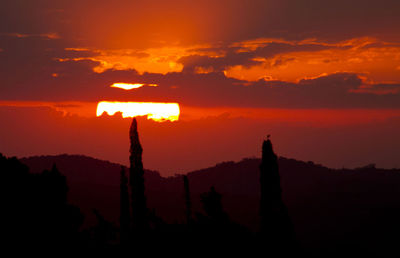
<point>156,111</point>
<point>358,55</point>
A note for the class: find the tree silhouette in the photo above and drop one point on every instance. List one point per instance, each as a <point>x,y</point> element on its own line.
<point>215,229</point>
<point>103,232</point>
<point>124,208</point>
<point>213,206</point>
<point>275,222</point>
<point>56,220</point>
<point>188,202</point>
<point>35,210</point>
<point>136,177</point>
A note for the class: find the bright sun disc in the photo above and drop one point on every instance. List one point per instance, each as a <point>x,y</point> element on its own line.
<point>156,111</point>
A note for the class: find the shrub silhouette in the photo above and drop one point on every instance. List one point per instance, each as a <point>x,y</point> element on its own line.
<point>36,210</point>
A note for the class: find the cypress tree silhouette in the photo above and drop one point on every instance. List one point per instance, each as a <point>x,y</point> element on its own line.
<point>103,232</point>
<point>275,221</point>
<point>213,206</point>
<point>136,178</point>
<point>188,202</point>
<point>124,208</point>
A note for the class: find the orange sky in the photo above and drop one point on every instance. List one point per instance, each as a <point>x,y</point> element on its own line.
<point>275,65</point>
<point>335,138</point>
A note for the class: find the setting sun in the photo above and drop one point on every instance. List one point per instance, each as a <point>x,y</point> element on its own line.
<point>156,111</point>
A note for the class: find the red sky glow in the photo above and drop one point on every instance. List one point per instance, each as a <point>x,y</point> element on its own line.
<point>322,77</point>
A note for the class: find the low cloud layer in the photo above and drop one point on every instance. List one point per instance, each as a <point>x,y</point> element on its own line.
<point>46,71</point>
<point>303,59</point>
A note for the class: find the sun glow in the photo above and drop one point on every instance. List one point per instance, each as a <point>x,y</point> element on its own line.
<point>156,111</point>
<point>126,86</point>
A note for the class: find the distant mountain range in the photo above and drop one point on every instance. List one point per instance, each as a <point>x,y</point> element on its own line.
<point>328,207</point>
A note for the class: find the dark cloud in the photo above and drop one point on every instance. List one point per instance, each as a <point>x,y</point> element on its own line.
<point>46,50</point>
<point>236,56</point>
<point>145,23</point>
<point>214,89</point>
<point>78,82</point>
<point>217,64</point>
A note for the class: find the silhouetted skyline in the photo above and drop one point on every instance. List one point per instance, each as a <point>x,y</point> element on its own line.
<point>136,126</point>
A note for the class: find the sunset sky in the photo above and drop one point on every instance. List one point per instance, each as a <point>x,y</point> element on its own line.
<point>322,77</point>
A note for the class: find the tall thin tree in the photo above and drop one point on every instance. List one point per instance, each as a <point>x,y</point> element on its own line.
<point>275,221</point>
<point>188,201</point>
<point>124,208</point>
<point>136,178</point>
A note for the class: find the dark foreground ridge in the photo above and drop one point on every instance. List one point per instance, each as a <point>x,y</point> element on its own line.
<point>330,208</point>
<point>270,206</point>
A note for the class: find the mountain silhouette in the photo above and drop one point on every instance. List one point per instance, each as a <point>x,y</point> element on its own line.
<point>330,208</point>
